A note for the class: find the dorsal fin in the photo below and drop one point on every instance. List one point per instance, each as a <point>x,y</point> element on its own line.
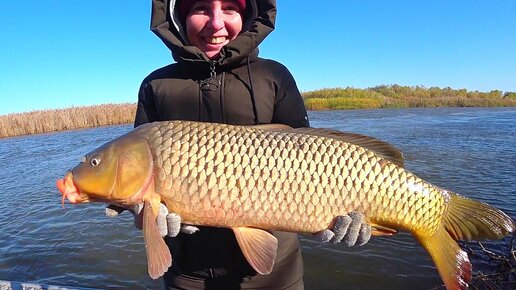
<point>383,148</point>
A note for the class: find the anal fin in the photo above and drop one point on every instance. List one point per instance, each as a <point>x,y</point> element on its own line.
<point>159,258</point>
<point>259,248</point>
<point>380,231</point>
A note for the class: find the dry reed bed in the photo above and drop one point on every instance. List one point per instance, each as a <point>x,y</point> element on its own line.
<point>66,119</point>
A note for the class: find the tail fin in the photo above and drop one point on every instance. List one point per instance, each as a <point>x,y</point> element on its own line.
<point>452,263</point>
<point>465,219</point>
<point>468,219</point>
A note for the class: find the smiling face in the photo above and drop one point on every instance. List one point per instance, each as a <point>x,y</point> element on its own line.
<point>210,25</point>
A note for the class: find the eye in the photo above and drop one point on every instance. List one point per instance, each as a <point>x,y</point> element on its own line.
<point>199,8</point>
<point>94,161</point>
<point>231,8</point>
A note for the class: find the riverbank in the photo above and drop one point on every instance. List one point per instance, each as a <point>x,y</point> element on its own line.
<point>378,97</point>
<point>395,96</point>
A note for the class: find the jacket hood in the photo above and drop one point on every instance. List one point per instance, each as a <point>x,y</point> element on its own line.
<point>259,22</point>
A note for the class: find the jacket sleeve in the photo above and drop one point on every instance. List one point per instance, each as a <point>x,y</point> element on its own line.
<point>289,107</point>
<point>145,109</point>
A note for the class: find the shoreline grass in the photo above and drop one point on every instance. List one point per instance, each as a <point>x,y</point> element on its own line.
<point>391,96</point>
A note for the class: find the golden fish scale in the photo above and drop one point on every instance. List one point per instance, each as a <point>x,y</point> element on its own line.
<point>224,175</point>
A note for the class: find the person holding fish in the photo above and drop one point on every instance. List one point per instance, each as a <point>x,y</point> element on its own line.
<point>218,77</point>
<point>243,191</point>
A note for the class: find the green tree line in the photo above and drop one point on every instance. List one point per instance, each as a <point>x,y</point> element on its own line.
<point>396,96</point>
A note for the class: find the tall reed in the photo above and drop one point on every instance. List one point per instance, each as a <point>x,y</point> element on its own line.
<point>66,119</point>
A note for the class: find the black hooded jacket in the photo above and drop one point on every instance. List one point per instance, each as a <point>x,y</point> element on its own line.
<point>237,88</point>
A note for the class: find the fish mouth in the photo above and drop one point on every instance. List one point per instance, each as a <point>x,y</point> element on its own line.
<point>69,190</point>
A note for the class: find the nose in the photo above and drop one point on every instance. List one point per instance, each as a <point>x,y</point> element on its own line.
<point>217,20</point>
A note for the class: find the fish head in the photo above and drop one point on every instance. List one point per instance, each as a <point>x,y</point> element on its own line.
<point>118,172</point>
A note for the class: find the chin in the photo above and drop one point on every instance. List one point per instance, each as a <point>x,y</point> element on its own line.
<point>212,55</point>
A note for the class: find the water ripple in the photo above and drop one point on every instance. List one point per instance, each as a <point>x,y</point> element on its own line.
<point>471,151</point>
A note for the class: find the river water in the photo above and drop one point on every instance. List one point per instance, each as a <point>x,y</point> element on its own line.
<point>471,151</point>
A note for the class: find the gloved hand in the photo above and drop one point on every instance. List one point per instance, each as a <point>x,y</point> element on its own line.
<point>349,229</point>
<point>169,224</point>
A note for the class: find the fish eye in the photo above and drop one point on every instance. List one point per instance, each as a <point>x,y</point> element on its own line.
<point>95,161</point>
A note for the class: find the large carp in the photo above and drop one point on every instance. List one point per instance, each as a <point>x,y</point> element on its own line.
<point>271,177</point>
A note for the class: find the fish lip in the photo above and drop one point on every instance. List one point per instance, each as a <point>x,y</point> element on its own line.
<point>69,190</point>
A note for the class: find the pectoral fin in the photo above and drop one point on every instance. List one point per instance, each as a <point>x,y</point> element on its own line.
<point>259,248</point>
<point>158,254</point>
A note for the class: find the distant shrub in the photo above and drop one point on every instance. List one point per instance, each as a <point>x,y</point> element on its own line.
<point>509,95</point>
<point>396,96</point>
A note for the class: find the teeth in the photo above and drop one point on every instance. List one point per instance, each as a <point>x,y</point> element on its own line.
<point>216,40</point>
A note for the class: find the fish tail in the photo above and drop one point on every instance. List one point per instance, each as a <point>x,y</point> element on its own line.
<point>451,261</point>
<point>465,219</point>
<point>468,219</point>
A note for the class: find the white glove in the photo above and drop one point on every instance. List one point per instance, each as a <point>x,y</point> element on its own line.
<point>350,229</point>
<point>169,224</point>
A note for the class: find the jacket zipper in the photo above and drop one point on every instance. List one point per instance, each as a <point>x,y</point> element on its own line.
<point>221,97</point>
<point>211,83</point>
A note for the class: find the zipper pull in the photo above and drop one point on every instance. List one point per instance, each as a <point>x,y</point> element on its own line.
<point>212,83</point>
<point>213,73</point>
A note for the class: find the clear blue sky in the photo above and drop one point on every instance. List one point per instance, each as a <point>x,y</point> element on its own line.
<point>57,54</point>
